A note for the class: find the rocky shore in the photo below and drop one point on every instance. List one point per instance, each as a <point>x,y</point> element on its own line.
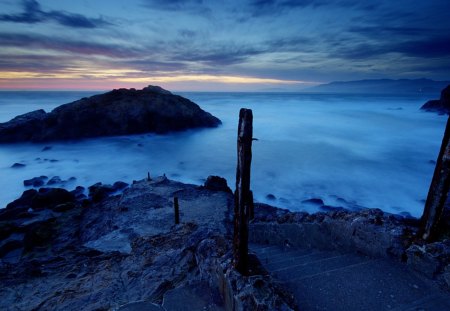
<point>120,250</point>
<point>116,247</point>
<point>119,112</point>
<point>440,106</point>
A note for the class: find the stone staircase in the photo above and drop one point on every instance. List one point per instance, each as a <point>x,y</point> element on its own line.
<point>328,280</point>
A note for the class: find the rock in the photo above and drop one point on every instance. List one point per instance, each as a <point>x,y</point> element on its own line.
<point>35,181</point>
<point>271,197</point>
<point>430,259</point>
<point>54,180</point>
<point>314,201</point>
<point>330,208</point>
<point>51,197</point>
<point>8,246</point>
<point>442,105</point>
<point>23,127</point>
<point>25,199</point>
<point>140,306</point>
<point>17,165</point>
<point>39,234</point>
<point>118,112</point>
<point>46,148</point>
<point>64,207</point>
<point>99,191</point>
<point>216,183</point>
<point>120,185</point>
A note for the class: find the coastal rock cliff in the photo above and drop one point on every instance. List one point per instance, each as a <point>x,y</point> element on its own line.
<point>118,112</point>
<point>442,105</point>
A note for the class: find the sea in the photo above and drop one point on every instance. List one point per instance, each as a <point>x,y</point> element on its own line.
<point>350,151</point>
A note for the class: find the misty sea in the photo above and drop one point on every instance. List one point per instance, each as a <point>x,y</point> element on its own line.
<point>351,151</point>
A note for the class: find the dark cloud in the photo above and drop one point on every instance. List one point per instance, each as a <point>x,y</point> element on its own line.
<point>274,7</point>
<point>219,57</point>
<point>192,6</point>
<point>31,62</point>
<point>152,65</point>
<point>425,48</point>
<point>34,14</point>
<point>66,45</point>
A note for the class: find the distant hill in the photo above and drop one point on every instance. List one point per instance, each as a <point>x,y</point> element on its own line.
<point>383,86</point>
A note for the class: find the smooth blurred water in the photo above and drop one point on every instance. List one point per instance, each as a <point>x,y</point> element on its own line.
<point>349,150</point>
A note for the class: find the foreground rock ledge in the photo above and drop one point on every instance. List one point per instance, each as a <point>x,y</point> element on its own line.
<point>125,253</point>
<point>119,112</point>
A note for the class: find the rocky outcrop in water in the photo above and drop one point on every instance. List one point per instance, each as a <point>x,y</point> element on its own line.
<point>119,112</point>
<point>442,105</point>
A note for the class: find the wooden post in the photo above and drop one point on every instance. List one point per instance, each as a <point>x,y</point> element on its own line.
<point>177,210</point>
<point>251,207</point>
<point>242,194</point>
<point>148,176</point>
<point>437,195</point>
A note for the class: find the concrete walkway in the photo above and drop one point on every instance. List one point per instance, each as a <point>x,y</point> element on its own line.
<point>325,280</point>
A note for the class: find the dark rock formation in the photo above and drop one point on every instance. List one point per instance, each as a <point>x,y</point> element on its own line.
<point>18,165</point>
<point>216,183</point>
<point>35,181</point>
<point>123,253</point>
<point>442,105</point>
<point>119,112</point>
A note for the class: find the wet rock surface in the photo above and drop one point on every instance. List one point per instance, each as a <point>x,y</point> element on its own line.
<point>124,252</point>
<point>118,112</point>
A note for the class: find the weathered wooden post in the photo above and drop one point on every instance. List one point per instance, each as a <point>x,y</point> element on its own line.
<point>242,195</point>
<point>437,195</point>
<point>176,207</point>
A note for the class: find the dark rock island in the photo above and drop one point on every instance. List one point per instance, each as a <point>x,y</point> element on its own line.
<point>118,112</point>
<point>442,105</point>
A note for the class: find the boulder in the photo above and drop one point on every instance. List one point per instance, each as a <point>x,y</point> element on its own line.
<point>216,183</point>
<point>54,180</point>
<point>441,106</point>
<point>16,165</point>
<point>98,191</point>
<point>51,197</point>
<point>118,112</point>
<point>35,181</point>
<point>24,201</point>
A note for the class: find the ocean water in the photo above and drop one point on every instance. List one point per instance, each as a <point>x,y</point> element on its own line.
<point>351,151</point>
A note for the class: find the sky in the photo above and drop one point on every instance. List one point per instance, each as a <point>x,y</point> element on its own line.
<point>209,45</point>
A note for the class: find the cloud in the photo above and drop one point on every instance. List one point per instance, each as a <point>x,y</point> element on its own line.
<point>191,6</point>
<point>66,45</point>
<point>34,14</point>
<point>426,48</point>
<point>220,56</point>
<point>275,7</point>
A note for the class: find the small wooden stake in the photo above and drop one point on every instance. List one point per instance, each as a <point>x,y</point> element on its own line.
<point>177,210</point>
<point>242,195</point>
<point>437,195</point>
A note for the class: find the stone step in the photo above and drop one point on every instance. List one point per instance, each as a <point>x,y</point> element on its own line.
<point>372,285</point>
<point>282,256</point>
<point>324,265</point>
<point>266,249</point>
<point>289,256</point>
<point>300,261</point>
<point>325,280</point>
